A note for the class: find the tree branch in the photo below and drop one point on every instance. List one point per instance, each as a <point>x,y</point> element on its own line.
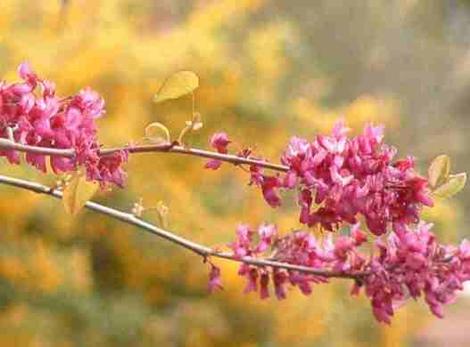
<point>156,148</point>
<point>197,248</point>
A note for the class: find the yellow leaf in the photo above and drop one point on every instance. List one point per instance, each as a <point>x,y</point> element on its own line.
<point>454,185</point>
<point>439,170</point>
<point>77,192</point>
<point>177,85</point>
<point>157,132</point>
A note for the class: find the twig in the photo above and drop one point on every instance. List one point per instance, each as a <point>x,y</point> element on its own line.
<point>197,248</point>
<point>157,148</point>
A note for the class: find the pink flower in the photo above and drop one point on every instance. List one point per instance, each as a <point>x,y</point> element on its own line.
<point>40,118</point>
<point>242,245</point>
<point>26,73</point>
<point>413,262</point>
<point>108,168</point>
<point>267,233</point>
<point>409,263</point>
<point>358,235</point>
<point>214,279</point>
<point>220,141</point>
<point>269,185</point>
<point>349,177</point>
<point>252,274</point>
<point>213,164</point>
<point>264,285</point>
<point>279,279</point>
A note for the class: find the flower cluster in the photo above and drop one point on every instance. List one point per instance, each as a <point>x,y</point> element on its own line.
<point>412,264</point>
<point>297,248</point>
<point>339,178</point>
<point>32,114</point>
<point>406,264</point>
<point>341,182</point>
<point>346,177</point>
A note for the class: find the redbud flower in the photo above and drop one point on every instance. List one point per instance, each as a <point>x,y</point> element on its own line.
<point>410,263</point>
<point>214,279</point>
<point>348,177</point>
<point>37,117</point>
<point>218,141</point>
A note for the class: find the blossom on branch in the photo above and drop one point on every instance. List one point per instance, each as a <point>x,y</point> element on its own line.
<point>345,184</point>
<point>32,114</point>
<point>215,282</point>
<point>406,264</point>
<point>346,177</point>
<point>218,141</point>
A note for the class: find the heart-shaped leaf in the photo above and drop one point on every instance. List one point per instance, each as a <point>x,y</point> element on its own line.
<point>177,85</point>
<point>439,170</point>
<point>77,192</point>
<point>454,185</point>
<point>157,132</point>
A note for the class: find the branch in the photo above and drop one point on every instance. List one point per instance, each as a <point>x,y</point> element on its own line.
<point>197,248</point>
<point>157,148</point>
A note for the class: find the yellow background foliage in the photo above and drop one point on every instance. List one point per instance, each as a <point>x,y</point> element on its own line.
<point>92,281</point>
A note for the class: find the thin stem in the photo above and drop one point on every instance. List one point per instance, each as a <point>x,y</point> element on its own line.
<point>154,148</point>
<point>6,144</point>
<point>197,248</point>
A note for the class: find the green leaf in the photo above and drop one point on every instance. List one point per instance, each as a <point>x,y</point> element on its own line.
<point>157,132</point>
<point>77,192</point>
<point>179,84</point>
<point>454,185</point>
<point>439,170</point>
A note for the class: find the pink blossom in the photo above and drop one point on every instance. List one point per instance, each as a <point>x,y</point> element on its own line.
<point>410,263</point>
<point>353,176</point>
<point>213,164</point>
<point>269,185</point>
<point>219,141</point>
<point>214,279</point>
<point>267,233</point>
<point>279,280</point>
<point>252,274</point>
<point>242,245</point>
<point>358,235</point>
<point>413,263</point>
<point>38,117</point>
<point>264,285</point>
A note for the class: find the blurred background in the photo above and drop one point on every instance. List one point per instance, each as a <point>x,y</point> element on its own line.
<point>269,69</point>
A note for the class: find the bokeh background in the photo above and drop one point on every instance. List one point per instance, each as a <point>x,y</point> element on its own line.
<point>269,69</point>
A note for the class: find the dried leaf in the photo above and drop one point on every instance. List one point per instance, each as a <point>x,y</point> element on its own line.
<point>157,132</point>
<point>454,185</point>
<point>162,211</point>
<point>177,85</point>
<point>138,208</point>
<point>77,192</point>
<point>439,170</point>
